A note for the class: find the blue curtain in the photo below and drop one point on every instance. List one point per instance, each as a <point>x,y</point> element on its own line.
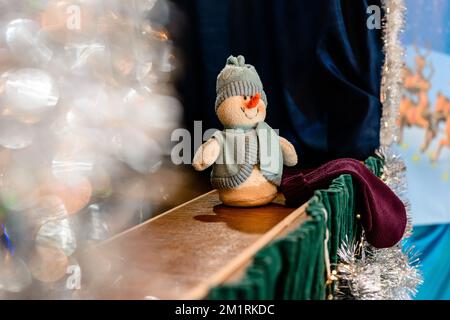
<point>433,242</point>
<point>319,63</point>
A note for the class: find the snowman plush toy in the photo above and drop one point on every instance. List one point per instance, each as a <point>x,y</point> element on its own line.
<point>248,155</point>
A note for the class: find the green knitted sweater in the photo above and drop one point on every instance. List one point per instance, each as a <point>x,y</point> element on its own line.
<point>241,150</point>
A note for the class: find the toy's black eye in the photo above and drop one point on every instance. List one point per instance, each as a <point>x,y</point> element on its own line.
<point>245,97</point>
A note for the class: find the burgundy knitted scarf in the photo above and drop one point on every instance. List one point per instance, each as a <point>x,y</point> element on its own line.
<point>383,214</point>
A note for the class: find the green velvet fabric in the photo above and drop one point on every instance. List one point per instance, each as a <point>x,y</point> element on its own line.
<point>293,267</point>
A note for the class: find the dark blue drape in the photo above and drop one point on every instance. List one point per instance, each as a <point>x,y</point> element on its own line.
<point>319,63</point>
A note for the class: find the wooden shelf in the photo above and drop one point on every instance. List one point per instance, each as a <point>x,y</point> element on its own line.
<point>183,252</point>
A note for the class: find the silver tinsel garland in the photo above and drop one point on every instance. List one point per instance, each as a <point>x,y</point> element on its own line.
<point>391,81</point>
<point>364,272</point>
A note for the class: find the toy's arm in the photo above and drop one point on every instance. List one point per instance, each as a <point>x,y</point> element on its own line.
<point>206,155</point>
<point>289,155</point>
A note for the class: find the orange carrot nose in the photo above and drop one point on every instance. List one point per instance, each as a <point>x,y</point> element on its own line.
<point>254,101</point>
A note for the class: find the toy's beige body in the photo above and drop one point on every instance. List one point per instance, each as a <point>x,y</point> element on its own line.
<point>243,111</point>
<point>255,191</point>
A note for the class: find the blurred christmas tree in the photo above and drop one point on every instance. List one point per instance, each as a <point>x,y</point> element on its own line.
<point>86,105</point>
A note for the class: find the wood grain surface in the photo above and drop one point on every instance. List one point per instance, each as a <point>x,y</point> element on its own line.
<point>182,252</point>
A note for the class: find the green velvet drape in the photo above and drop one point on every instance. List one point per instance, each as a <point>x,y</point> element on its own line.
<point>293,267</point>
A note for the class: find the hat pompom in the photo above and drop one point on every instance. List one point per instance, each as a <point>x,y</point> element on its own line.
<point>236,61</point>
<point>241,61</point>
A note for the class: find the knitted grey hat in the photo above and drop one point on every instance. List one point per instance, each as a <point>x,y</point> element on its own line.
<point>238,79</point>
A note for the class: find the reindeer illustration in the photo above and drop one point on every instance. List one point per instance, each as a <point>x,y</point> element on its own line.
<point>441,109</point>
<point>415,105</point>
<point>442,113</point>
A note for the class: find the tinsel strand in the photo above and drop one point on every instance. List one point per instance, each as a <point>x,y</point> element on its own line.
<point>392,70</point>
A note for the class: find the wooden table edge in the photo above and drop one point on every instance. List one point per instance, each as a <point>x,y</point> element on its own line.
<point>121,234</point>
<point>201,291</point>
